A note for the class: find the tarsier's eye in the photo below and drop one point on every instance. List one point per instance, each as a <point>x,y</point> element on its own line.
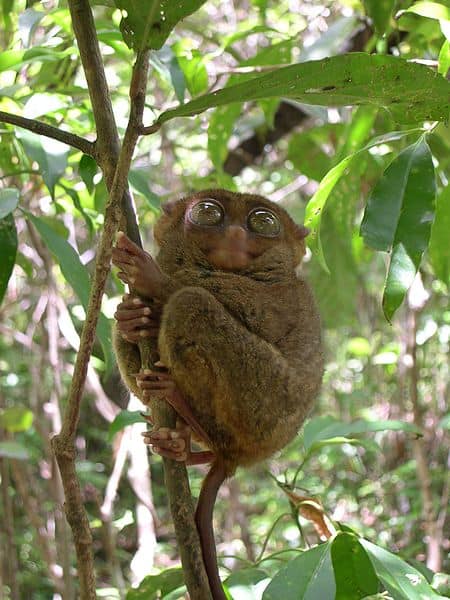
<point>264,222</point>
<point>206,212</point>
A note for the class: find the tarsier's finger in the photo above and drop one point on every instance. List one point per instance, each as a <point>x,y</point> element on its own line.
<point>124,243</point>
<point>178,445</point>
<point>125,314</point>
<point>131,302</point>
<point>120,257</point>
<point>130,324</point>
<point>177,456</point>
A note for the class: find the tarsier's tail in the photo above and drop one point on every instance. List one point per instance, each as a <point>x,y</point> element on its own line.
<point>204,519</point>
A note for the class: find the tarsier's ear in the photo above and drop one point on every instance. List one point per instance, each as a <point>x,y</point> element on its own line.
<point>168,207</point>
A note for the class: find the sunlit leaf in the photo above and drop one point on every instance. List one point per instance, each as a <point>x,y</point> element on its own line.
<point>444,58</point>
<point>399,578</point>
<point>148,24</point>
<point>432,10</point>
<point>316,205</point>
<point>409,91</point>
<point>329,428</point>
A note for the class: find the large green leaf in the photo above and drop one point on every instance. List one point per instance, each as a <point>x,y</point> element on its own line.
<point>326,428</point>
<point>50,155</point>
<point>8,246</point>
<point>353,572</point>
<point>156,17</point>
<point>77,276</point>
<point>410,92</point>
<point>380,12</point>
<point>400,579</point>
<point>307,577</point>
<point>431,10</point>
<point>316,205</point>
<point>439,240</point>
<point>398,217</point>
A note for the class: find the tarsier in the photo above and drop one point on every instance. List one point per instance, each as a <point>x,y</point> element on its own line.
<point>237,333</point>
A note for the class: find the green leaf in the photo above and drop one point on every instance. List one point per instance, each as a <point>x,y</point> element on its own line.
<point>399,215</point>
<point>439,245</point>
<point>432,10</point>
<point>316,205</point>
<point>194,70</point>
<point>307,577</point>
<point>77,276</point>
<point>50,155</point>
<point>139,181</point>
<point>8,245</point>
<point>158,586</point>
<point>380,12</point>
<point>400,579</point>
<point>353,571</point>
<point>77,203</point>
<point>123,419</point>
<point>326,428</point>
<point>148,24</point>
<point>247,584</point>
<point>444,59</point>
<point>402,270</point>
<point>410,92</point>
<point>220,128</point>
<point>87,168</point>
<point>9,199</point>
<point>14,60</point>
<point>14,450</point>
<point>16,419</point>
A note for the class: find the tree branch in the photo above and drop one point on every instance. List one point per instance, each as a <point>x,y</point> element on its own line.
<point>49,131</point>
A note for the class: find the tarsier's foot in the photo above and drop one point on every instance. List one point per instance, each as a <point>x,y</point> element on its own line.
<point>136,319</point>
<point>176,444</point>
<point>160,385</point>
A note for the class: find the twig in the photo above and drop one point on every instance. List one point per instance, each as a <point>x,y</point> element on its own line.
<point>49,131</point>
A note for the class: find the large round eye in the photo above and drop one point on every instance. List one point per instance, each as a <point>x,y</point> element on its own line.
<point>264,222</point>
<point>206,212</point>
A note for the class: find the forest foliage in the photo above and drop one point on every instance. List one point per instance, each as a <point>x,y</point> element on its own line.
<point>337,110</point>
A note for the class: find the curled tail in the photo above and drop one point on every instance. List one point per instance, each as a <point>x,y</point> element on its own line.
<point>204,520</point>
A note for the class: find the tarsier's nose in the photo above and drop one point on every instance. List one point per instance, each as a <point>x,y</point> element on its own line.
<point>235,232</point>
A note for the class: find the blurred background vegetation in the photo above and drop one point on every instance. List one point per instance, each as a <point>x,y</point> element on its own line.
<point>377,478</point>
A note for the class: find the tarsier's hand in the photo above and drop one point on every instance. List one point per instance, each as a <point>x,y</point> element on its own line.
<point>137,268</point>
<point>136,319</point>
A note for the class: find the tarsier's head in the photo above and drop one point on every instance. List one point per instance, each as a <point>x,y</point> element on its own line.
<point>229,231</point>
